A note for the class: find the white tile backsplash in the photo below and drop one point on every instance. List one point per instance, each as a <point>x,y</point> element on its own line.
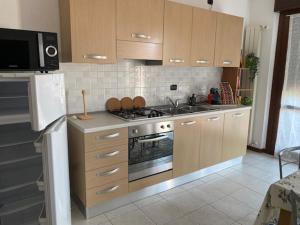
<point>132,78</point>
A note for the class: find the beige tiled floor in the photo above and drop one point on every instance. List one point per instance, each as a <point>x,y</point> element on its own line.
<point>230,197</point>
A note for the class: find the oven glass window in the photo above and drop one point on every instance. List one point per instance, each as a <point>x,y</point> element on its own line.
<point>14,54</point>
<point>150,147</point>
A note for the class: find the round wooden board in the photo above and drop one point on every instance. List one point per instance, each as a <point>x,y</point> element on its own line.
<point>139,102</point>
<point>126,103</point>
<point>113,104</point>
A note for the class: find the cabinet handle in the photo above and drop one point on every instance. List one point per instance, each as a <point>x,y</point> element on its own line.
<point>94,56</point>
<point>188,123</point>
<point>227,62</point>
<point>141,36</point>
<point>110,136</point>
<point>107,173</point>
<point>238,115</point>
<point>176,61</point>
<point>213,119</point>
<point>108,190</point>
<point>107,155</point>
<point>202,61</point>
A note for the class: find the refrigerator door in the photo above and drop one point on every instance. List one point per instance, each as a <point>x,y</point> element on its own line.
<point>56,174</point>
<point>47,101</point>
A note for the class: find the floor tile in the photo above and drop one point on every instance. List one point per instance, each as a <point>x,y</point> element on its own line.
<point>192,184</point>
<point>136,217</point>
<point>121,211</point>
<point>249,197</point>
<point>212,177</point>
<point>78,219</point>
<point>183,221</point>
<point>148,200</point>
<point>249,219</point>
<point>233,208</point>
<point>226,186</point>
<point>207,215</point>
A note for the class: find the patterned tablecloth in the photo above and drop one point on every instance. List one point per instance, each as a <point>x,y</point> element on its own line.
<point>277,198</point>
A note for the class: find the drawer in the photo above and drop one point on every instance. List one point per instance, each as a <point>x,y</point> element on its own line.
<point>106,157</point>
<point>106,192</point>
<point>106,175</point>
<point>104,139</point>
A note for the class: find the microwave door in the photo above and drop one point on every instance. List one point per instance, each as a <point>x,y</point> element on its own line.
<point>47,101</point>
<point>56,174</point>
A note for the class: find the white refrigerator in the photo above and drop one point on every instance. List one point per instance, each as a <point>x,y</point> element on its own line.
<point>34,123</point>
<point>47,105</point>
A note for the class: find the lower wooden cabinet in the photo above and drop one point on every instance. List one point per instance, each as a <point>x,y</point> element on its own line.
<point>186,146</point>
<point>211,140</point>
<point>235,137</point>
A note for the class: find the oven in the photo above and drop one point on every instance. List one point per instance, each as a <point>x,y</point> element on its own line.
<point>150,149</point>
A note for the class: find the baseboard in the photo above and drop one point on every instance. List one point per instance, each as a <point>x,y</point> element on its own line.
<point>259,150</point>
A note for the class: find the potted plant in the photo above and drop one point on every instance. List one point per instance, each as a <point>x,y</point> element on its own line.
<point>252,62</point>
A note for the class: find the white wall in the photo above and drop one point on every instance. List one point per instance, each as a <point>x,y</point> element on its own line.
<point>261,13</point>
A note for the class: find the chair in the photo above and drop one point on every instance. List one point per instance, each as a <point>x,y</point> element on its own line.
<point>295,201</point>
<point>285,152</point>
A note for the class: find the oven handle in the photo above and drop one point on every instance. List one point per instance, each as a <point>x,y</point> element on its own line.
<point>153,139</point>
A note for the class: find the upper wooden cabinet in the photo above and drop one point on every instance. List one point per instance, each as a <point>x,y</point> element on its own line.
<point>203,37</point>
<point>177,34</point>
<point>88,31</point>
<point>228,40</point>
<point>186,146</point>
<point>235,138</point>
<point>140,20</point>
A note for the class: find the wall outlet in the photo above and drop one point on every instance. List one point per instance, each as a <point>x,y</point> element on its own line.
<point>173,87</point>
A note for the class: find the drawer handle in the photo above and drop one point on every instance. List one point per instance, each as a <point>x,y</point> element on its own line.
<point>238,115</point>
<point>176,61</point>
<point>108,190</point>
<point>188,123</point>
<point>108,136</point>
<point>108,173</point>
<point>94,56</point>
<point>227,62</point>
<point>141,36</point>
<point>202,61</point>
<point>214,119</point>
<point>107,155</point>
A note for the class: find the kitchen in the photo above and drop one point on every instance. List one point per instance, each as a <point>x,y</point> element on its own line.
<point>125,108</point>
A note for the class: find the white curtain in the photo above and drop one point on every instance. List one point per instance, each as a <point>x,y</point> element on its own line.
<point>289,123</point>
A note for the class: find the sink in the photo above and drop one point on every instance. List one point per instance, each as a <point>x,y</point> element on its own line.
<point>192,109</point>
<point>172,111</point>
<point>185,109</point>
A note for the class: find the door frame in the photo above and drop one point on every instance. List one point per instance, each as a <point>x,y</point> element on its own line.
<point>286,8</point>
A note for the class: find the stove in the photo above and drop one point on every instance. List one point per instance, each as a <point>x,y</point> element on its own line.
<point>139,114</point>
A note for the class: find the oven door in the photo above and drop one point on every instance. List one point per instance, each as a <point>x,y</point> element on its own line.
<point>149,155</point>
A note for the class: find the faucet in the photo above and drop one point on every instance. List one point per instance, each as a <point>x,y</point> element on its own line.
<point>174,103</point>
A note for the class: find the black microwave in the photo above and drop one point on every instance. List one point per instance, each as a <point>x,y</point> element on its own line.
<point>22,50</point>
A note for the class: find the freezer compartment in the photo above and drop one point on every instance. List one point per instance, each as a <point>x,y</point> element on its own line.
<point>16,174</point>
<point>16,134</point>
<point>17,153</point>
<point>24,212</point>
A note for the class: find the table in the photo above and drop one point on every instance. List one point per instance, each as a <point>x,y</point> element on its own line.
<point>276,207</point>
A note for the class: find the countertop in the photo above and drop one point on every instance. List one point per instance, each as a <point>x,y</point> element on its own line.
<point>106,121</point>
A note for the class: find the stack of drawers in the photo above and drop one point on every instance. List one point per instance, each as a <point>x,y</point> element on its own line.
<point>99,165</point>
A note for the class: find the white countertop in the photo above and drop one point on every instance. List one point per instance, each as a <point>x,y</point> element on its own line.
<point>105,121</point>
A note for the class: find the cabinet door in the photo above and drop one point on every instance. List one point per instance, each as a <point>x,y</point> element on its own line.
<point>211,140</point>
<point>228,40</point>
<point>93,31</point>
<point>186,147</point>
<point>235,137</point>
<point>177,34</point>
<point>140,20</point>
<point>203,37</point>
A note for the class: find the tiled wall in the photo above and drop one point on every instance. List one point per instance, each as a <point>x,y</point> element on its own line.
<point>132,78</point>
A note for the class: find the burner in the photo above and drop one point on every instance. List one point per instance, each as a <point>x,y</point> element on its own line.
<point>136,114</point>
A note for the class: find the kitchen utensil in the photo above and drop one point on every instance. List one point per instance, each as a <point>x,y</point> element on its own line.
<point>126,103</point>
<point>192,100</point>
<point>85,116</point>
<point>139,102</point>
<point>113,104</point>
<point>226,93</point>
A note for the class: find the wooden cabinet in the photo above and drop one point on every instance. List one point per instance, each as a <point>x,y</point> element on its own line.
<point>186,146</point>
<point>203,37</point>
<point>228,40</point>
<point>88,31</point>
<point>177,34</point>
<point>140,20</point>
<point>236,126</point>
<point>98,164</point>
<point>211,140</point>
